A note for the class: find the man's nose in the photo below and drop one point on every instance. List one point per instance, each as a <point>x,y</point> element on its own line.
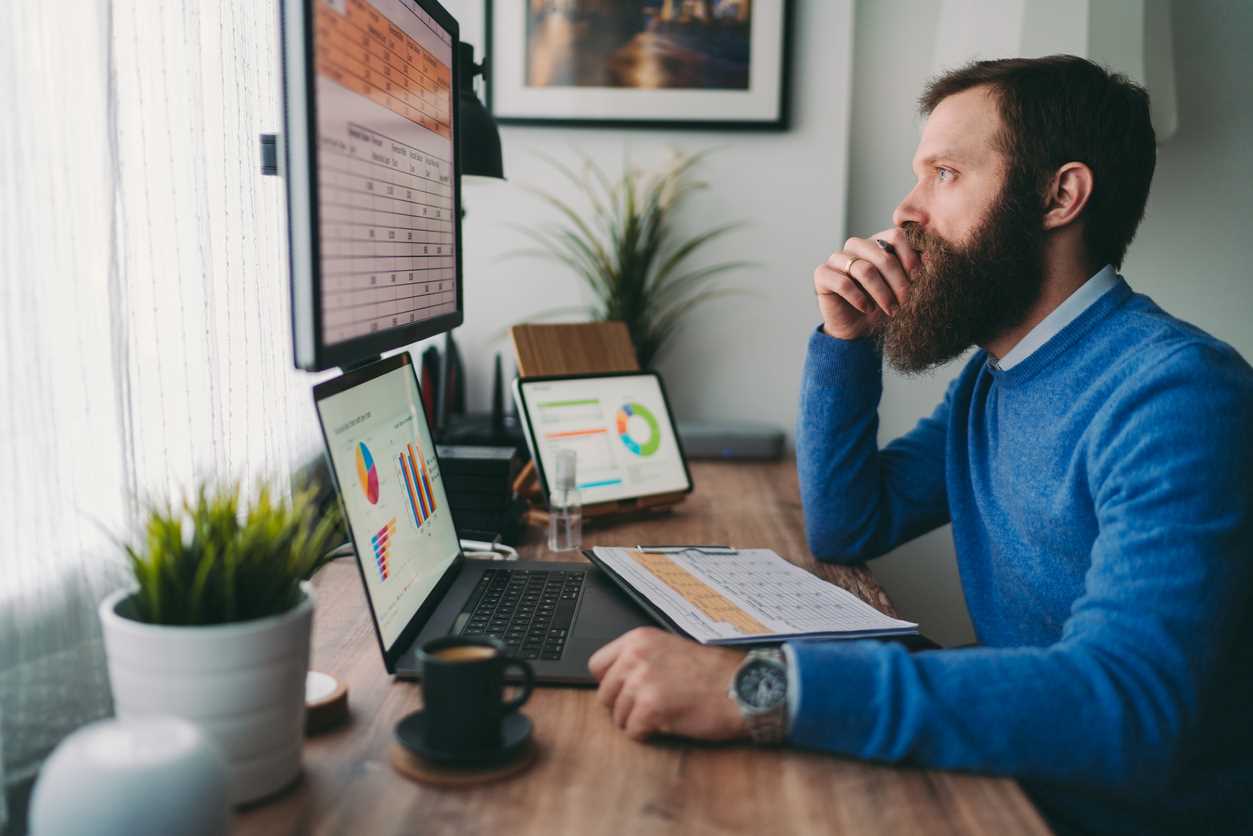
<point>909,209</point>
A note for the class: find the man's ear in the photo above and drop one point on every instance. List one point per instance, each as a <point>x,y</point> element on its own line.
<point>1067,195</point>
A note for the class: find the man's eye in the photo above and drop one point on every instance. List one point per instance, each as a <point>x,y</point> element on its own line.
<point>944,175</point>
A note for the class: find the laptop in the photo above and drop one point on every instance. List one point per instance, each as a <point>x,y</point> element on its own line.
<point>418,584</point>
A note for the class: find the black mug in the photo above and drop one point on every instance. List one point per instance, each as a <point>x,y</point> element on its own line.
<point>463,686</point>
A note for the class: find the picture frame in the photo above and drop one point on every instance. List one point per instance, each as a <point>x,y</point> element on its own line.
<point>691,64</point>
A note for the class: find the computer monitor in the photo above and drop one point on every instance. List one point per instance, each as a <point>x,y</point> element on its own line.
<point>370,157</point>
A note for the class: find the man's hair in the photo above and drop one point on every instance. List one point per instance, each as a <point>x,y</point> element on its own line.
<point>1064,109</point>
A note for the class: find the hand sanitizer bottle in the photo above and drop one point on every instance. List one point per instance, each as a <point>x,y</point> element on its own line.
<point>565,506</point>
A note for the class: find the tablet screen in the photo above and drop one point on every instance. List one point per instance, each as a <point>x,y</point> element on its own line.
<point>619,426</point>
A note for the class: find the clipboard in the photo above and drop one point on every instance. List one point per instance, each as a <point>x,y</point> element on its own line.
<point>642,601</point>
<point>846,607</point>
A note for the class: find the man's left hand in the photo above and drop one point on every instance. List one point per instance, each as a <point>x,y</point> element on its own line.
<point>657,683</point>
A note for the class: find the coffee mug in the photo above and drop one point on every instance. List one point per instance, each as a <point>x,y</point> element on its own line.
<point>463,685</point>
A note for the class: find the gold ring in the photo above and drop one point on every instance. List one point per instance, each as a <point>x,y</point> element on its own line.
<point>848,268</point>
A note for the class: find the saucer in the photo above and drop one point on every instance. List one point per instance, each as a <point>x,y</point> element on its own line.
<point>515,734</point>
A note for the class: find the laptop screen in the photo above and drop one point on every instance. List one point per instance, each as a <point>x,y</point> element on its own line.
<point>389,481</point>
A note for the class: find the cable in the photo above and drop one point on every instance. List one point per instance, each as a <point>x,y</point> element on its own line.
<point>480,549</point>
<point>484,550</point>
<point>342,550</point>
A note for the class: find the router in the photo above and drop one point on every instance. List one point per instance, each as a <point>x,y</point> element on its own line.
<point>730,440</point>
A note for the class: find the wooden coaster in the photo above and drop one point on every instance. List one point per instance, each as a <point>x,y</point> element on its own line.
<point>326,702</point>
<point>417,768</point>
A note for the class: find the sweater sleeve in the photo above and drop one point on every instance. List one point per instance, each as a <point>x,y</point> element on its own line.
<point>1147,646</point>
<point>859,501</point>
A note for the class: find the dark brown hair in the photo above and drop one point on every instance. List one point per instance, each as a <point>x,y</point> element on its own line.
<point>1064,109</point>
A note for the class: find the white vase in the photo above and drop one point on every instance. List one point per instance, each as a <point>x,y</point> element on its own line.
<point>243,684</point>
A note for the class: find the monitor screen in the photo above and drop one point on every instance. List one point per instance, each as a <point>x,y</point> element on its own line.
<point>372,172</point>
<point>389,482</point>
<point>619,427</point>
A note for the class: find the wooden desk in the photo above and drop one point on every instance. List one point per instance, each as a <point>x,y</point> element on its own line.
<point>590,777</point>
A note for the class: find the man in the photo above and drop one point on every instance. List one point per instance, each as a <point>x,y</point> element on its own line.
<point>1094,458</point>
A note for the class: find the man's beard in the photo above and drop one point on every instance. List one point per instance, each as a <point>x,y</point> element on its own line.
<point>966,295</point>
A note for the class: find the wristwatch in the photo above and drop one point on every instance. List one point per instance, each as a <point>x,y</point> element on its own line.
<point>759,688</point>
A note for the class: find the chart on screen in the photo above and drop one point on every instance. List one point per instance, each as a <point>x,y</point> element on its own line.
<point>400,522</point>
<point>618,428</point>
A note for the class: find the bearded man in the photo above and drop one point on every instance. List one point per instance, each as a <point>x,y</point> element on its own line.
<point>1094,457</point>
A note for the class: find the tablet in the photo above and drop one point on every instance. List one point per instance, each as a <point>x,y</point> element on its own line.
<point>618,424</point>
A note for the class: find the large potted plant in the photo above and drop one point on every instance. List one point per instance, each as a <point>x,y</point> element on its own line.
<point>217,625</point>
<point>627,247</point>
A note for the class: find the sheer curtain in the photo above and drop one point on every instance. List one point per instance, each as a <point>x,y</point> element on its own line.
<point>144,308</point>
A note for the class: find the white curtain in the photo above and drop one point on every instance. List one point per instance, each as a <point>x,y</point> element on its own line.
<point>145,336</point>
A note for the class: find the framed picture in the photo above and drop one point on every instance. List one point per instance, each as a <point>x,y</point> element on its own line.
<point>647,63</point>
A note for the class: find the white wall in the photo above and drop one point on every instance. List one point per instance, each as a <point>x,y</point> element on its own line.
<point>738,357</point>
<point>1188,255</point>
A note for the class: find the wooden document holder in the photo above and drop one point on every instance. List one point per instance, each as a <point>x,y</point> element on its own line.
<point>581,348</point>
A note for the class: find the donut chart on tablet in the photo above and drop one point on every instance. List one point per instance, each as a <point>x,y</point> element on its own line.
<point>641,447</point>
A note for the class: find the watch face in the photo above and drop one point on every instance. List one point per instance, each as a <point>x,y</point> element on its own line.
<point>761,685</point>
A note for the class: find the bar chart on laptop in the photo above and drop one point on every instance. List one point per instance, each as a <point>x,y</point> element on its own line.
<point>415,475</point>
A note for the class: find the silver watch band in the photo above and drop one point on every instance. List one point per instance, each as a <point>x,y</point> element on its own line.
<point>767,727</point>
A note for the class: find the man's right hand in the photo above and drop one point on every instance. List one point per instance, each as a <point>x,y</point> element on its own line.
<point>862,284</point>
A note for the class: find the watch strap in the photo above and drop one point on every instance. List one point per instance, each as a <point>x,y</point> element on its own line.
<point>770,726</point>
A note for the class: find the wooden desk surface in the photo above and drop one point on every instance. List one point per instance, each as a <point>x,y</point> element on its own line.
<point>590,778</point>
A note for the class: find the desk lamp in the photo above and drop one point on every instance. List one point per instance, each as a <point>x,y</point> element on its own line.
<point>480,138</point>
<point>480,158</point>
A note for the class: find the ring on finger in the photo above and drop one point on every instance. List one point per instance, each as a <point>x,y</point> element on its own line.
<point>848,268</point>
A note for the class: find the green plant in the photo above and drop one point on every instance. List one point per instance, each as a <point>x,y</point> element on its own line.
<point>205,562</point>
<point>628,250</point>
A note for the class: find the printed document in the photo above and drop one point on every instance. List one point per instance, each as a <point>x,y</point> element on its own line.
<point>745,596</point>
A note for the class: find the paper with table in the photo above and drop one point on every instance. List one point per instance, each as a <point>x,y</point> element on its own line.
<point>744,596</point>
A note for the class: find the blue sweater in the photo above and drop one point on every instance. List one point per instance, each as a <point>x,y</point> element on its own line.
<point>1102,512</point>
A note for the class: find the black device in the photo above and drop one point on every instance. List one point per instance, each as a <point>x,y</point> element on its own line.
<point>371,159</point>
<point>418,584</point>
<point>479,480</point>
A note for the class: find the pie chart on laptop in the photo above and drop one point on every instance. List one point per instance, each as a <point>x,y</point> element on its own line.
<point>367,473</point>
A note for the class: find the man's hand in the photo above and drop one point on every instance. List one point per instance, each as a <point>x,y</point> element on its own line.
<point>863,283</point>
<point>657,683</point>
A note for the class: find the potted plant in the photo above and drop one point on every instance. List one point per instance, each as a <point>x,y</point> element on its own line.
<point>217,627</point>
<point>628,250</point>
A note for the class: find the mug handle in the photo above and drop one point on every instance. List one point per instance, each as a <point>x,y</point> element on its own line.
<point>528,684</point>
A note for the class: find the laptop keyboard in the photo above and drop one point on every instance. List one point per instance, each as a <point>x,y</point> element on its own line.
<point>529,610</point>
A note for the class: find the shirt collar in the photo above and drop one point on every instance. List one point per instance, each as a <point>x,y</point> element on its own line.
<point>1061,316</point>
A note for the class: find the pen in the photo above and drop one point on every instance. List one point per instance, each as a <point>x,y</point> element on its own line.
<point>695,547</point>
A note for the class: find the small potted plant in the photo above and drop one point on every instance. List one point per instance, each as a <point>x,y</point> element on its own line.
<point>628,249</point>
<point>217,627</point>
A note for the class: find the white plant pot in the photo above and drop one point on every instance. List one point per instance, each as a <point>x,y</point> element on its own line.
<point>243,684</point>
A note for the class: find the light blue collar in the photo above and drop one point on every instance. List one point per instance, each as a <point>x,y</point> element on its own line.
<point>1065,313</point>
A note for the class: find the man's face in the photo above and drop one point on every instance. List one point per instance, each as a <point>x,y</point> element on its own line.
<point>978,228</point>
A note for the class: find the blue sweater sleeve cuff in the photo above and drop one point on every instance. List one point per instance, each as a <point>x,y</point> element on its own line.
<point>793,686</point>
<point>848,364</point>
<point>835,694</point>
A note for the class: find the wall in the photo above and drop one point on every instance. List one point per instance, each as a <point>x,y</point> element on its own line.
<point>737,357</point>
<point>1186,256</point>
